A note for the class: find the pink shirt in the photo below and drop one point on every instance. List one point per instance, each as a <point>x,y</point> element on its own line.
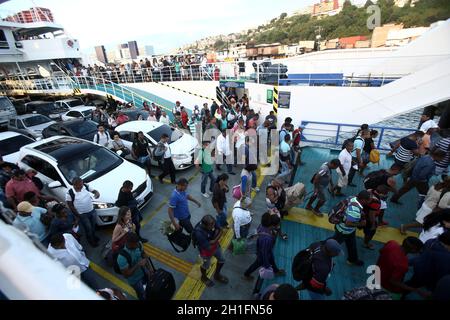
<point>17,189</point>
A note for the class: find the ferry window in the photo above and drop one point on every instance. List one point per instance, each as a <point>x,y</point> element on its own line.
<point>3,41</point>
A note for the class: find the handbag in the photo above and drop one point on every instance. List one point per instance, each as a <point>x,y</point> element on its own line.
<point>237,194</point>
<point>266,273</point>
<point>239,246</point>
<point>180,239</point>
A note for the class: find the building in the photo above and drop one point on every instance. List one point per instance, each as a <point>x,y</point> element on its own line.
<point>305,11</point>
<point>380,34</point>
<point>149,50</point>
<point>271,50</point>
<point>123,52</point>
<point>100,53</point>
<point>402,37</point>
<point>237,50</point>
<point>350,42</point>
<point>133,48</point>
<point>327,8</point>
<point>402,3</point>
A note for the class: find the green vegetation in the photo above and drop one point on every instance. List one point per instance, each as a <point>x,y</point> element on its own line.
<point>350,21</point>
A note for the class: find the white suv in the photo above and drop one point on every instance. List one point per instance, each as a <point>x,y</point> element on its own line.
<point>60,159</point>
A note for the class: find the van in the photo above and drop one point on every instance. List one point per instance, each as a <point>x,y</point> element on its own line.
<point>7,111</point>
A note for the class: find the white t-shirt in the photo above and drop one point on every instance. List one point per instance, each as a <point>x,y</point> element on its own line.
<point>72,255</point>
<point>167,154</point>
<point>241,217</point>
<point>346,160</point>
<point>103,138</point>
<point>165,120</point>
<point>428,125</point>
<point>223,146</point>
<point>83,200</point>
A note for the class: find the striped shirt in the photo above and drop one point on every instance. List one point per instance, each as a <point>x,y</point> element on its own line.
<point>444,145</point>
<point>405,151</point>
<point>353,214</point>
<point>325,174</point>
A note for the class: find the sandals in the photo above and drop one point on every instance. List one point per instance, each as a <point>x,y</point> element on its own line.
<point>284,236</point>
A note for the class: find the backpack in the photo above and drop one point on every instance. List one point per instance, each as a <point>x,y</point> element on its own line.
<point>302,267</point>
<point>161,284</point>
<point>97,137</point>
<point>337,213</point>
<point>72,193</point>
<point>374,179</point>
<point>124,254</point>
<point>374,156</point>
<point>352,139</point>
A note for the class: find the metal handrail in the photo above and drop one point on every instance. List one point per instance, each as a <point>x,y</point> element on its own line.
<point>339,135</point>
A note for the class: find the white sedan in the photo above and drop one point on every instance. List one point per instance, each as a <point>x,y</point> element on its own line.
<point>182,145</point>
<point>58,160</point>
<point>81,112</point>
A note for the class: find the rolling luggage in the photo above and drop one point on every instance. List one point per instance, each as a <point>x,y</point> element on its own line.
<point>161,284</point>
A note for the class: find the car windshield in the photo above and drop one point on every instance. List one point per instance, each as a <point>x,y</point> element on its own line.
<point>13,144</point>
<point>5,104</point>
<point>87,113</point>
<point>173,134</point>
<point>75,103</point>
<point>90,166</point>
<point>36,120</point>
<point>81,128</point>
<point>43,107</point>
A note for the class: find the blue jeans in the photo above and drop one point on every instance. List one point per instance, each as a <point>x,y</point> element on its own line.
<point>88,221</point>
<point>285,171</point>
<point>315,295</point>
<point>144,160</point>
<point>254,179</point>
<point>222,217</point>
<point>205,180</point>
<point>139,288</point>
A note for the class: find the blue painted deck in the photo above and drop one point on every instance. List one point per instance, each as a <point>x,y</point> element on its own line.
<point>343,277</point>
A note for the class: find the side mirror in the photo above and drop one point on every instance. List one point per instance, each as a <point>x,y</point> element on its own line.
<point>54,185</point>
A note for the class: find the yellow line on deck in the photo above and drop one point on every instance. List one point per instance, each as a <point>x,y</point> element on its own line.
<point>113,279</point>
<point>192,287</point>
<point>384,234</point>
<point>171,261</point>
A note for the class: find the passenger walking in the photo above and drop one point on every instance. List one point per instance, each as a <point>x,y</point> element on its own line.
<point>423,170</point>
<point>285,157</point>
<point>246,183</point>
<point>178,207</point>
<point>63,222</point>
<point>125,198</point>
<point>353,218</point>
<point>372,211</point>
<point>322,254</point>
<point>102,137</point>
<point>242,220</point>
<point>122,229</point>
<point>67,250</point>
<point>141,152</point>
<point>29,216</point>
<point>224,151</point>
<point>357,155</point>
<point>168,168</point>
<point>405,151</point>
<point>265,245</point>
<point>164,118</point>
<point>204,163</point>
<point>345,157</point>
<point>219,200</point>
<point>79,200</point>
<point>321,180</point>
<point>206,236</point>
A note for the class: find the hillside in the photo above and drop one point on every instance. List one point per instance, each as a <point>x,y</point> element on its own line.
<point>350,21</point>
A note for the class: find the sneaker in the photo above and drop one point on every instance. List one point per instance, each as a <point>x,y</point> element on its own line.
<point>205,195</point>
<point>256,189</point>
<point>210,192</point>
<point>357,263</point>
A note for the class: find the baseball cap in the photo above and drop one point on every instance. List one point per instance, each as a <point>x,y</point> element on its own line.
<point>25,206</point>
<point>430,124</point>
<point>333,247</point>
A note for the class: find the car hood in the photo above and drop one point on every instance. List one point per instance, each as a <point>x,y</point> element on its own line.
<point>40,127</point>
<point>109,184</point>
<point>184,145</point>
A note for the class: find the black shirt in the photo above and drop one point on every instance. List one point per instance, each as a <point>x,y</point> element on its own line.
<point>219,196</point>
<point>124,198</point>
<point>322,264</point>
<point>140,148</point>
<point>368,145</point>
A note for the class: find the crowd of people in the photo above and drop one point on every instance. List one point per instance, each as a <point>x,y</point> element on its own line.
<point>417,158</point>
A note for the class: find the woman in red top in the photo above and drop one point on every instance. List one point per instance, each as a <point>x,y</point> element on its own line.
<point>123,227</point>
<point>184,117</point>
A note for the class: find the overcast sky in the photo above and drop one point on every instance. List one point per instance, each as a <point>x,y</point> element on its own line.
<point>164,24</point>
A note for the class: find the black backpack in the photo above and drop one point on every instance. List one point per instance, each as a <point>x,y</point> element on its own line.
<point>126,255</point>
<point>302,268</point>
<point>352,139</point>
<point>72,193</point>
<point>374,179</point>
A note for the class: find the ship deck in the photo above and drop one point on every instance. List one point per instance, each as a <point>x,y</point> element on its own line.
<point>302,227</point>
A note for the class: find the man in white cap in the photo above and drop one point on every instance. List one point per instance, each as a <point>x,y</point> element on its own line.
<point>323,253</point>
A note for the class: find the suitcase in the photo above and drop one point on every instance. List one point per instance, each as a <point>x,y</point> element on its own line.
<point>161,284</point>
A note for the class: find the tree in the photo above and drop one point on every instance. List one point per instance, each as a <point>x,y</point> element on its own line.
<point>219,44</point>
<point>283,15</point>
